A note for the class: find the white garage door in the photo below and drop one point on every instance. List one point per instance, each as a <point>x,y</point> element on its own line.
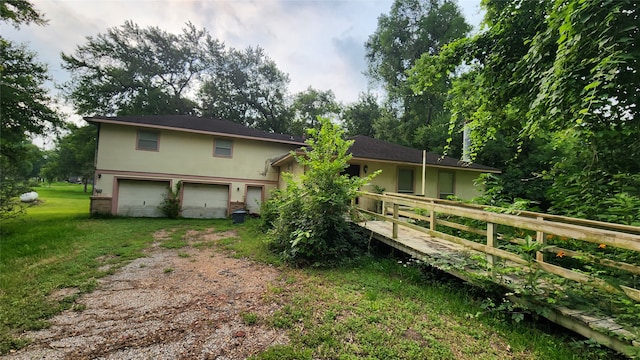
<point>254,199</point>
<point>140,198</point>
<point>204,201</point>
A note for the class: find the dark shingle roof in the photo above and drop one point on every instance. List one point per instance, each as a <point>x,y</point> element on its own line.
<point>369,148</point>
<point>198,124</point>
<point>363,146</point>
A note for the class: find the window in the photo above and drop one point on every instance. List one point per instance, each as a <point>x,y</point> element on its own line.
<point>148,140</point>
<point>445,184</point>
<point>223,147</point>
<point>405,180</point>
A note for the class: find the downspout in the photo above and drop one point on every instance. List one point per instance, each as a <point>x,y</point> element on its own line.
<point>95,160</point>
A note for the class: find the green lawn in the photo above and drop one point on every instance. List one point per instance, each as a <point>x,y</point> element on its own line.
<point>376,308</point>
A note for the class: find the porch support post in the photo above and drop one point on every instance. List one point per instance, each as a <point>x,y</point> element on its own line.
<point>540,240</point>
<point>432,219</point>
<point>395,224</point>
<point>492,233</point>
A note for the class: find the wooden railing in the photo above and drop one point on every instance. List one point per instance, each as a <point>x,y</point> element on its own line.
<point>416,212</point>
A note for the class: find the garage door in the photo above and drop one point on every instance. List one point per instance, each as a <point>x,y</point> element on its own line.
<point>140,198</point>
<point>203,201</point>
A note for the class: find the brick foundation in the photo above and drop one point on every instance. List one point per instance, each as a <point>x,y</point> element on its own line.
<point>100,205</point>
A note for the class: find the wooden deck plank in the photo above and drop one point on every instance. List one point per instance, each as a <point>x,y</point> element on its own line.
<point>422,245</point>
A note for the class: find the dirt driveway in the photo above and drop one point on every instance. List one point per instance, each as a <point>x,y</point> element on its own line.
<point>190,303</point>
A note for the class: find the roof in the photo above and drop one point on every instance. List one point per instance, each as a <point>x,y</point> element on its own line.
<point>365,147</point>
<point>196,124</point>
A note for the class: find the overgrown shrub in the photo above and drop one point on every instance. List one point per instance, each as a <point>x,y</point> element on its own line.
<point>170,206</point>
<point>309,218</point>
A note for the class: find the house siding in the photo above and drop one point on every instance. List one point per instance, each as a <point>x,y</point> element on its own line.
<point>388,179</point>
<point>186,157</point>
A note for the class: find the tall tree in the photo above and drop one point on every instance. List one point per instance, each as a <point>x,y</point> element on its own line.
<point>17,12</point>
<point>360,116</point>
<point>564,72</point>
<point>311,104</point>
<point>25,107</point>
<point>412,28</point>
<point>133,71</point>
<point>75,153</point>
<point>247,88</point>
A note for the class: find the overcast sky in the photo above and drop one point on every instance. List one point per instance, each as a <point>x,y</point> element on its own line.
<point>318,43</point>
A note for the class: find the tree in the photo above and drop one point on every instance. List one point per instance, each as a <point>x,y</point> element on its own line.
<point>311,104</point>
<point>19,12</point>
<point>247,88</point>
<point>25,108</point>
<point>308,217</point>
<point>412,28</point>
<point>134,71</point>
<point>75,153</point>
<point>564,72</point>
<point>137,71</point>
<point>360,116</point>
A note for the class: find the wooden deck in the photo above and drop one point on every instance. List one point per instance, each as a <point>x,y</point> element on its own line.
<point>455,255</point>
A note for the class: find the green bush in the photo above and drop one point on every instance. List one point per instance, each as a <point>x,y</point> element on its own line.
<point>309,219</point>
<point>170,206</point>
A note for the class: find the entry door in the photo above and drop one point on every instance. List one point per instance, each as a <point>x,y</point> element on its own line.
<point>254,199</point>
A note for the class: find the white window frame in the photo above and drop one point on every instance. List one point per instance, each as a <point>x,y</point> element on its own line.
<point>147,136</point>
<point>219,148</point>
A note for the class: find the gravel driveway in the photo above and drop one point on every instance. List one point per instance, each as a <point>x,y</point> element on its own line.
<point>173,304</point>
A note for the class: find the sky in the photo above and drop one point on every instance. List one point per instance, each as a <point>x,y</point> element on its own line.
<point>318,43</point>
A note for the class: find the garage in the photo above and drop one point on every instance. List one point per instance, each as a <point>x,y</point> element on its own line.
<point>205,201</point>
<point>141,198</point>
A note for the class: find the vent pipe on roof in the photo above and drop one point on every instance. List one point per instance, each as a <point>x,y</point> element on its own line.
<point>466,143</point>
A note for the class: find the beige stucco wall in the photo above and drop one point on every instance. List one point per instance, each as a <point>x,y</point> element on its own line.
<point>464,184</point>
<point>463,180</point>
<point>186,157</point>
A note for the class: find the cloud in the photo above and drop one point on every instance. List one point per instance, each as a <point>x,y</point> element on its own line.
<point>318,43</point>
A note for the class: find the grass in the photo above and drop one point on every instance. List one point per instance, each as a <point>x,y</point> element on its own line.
<point>374,308</point>
<point>378,309</point>
<point>56,245</point>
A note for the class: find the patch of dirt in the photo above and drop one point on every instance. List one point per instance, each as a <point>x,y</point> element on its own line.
<point>173,304</point>
<point>60,294</point>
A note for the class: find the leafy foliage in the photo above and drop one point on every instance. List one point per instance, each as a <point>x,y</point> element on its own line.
<point>412,28</point>
<point>20,12</point>
<point>247,87</point>
<point>73,155</point>
<point>170,205</point>
<point>311,104</point>
<point>309,216</point>
<point>562,72</point>
<point>25,108</point>
<point>134,71</point>
<point>360,116</point>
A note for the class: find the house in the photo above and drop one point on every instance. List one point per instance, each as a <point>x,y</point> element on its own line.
<point>402,170</point>
<point>222,166</point>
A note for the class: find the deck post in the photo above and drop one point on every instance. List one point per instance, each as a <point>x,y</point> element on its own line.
<point>395,224</point>
<point>492,235</point>
<point>432,219</point>
<point>540,239</point>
